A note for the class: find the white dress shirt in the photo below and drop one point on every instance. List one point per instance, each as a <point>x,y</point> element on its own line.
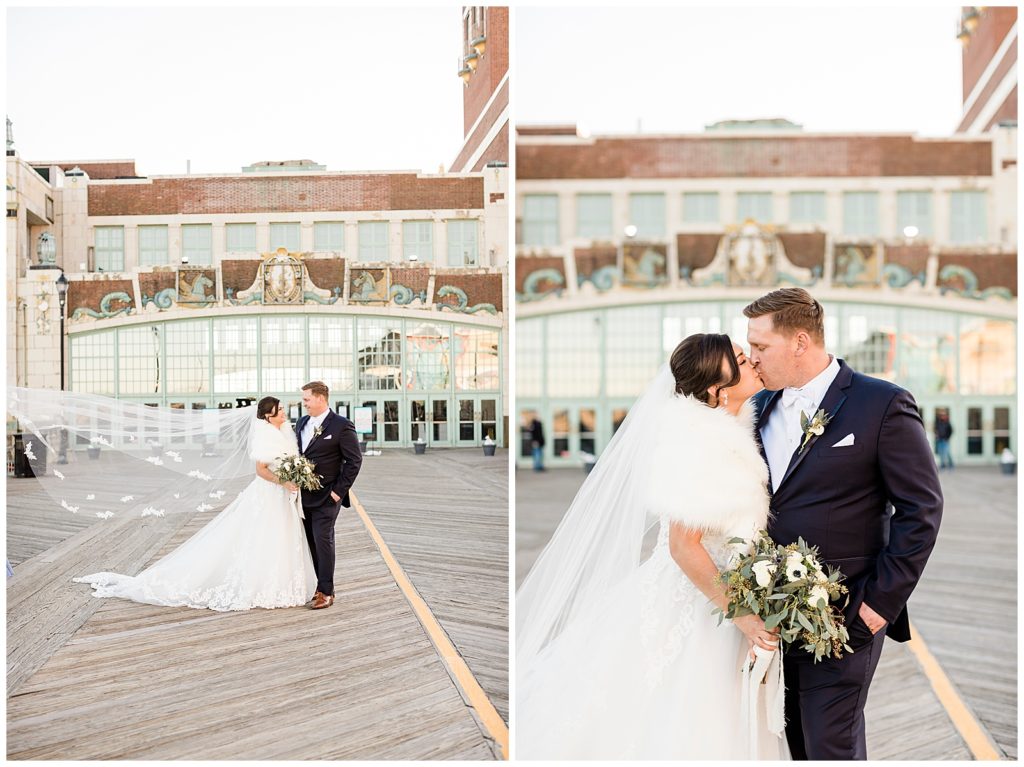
<point>781,433</point>
<point>312,425</point>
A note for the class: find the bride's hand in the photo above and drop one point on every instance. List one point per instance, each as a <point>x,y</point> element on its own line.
<point>757,635</point>
<point>291,486</point>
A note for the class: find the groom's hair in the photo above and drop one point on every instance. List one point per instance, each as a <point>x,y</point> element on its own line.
<point>792,310</point>
<point>319,388</point>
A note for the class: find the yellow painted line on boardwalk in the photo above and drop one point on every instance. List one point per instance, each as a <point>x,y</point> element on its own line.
<point>478,699</point>
<point>970,729</point>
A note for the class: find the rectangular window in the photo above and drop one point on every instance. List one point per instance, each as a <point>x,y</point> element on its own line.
<point>807,207</point>
<point>914,209</point>
<point>197,243</point>
<point>594,215</point>
<point>418,240</point>
<point>285,235</point>
<point>755,205</point>
<point>188,356</point>
<point>860,214</point>
<point>647,214</point>
<point>540,219</point>
<point>329,237</point>
<point>462,249</point>
<point>967,220</point>
<point>152,245</point>
<point>109,248</point>
<point>700,207</point>
<point>373,240</point>
<point>240,238</point>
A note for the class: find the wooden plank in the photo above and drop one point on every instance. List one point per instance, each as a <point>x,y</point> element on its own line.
<point>130,681</point>
<point>965,608</point>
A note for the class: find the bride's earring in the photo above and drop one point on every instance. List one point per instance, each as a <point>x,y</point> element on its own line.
<point>724,398</point>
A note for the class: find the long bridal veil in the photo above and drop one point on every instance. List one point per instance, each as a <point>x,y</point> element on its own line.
<point>111,458</point>
<point>600,538</point>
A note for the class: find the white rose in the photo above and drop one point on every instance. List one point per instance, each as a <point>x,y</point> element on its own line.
<point>820,576</point>
<point>819,593</point>
<point>763,572</point>
<point>795,567</point>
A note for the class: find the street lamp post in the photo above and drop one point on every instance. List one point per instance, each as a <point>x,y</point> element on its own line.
<point>62,297</point>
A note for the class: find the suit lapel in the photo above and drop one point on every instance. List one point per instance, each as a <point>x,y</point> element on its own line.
<point>833,401</point>
<point>299,426</point>
<point>323,428</point>
<point>762,420</point>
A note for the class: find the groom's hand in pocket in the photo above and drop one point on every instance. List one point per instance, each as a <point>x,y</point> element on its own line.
<point>335,497</point>
<point>872,620</point>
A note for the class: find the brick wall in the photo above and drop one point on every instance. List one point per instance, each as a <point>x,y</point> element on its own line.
<point>526,265</point>
<point>497,150</point>
<point>490,70</point>
<point>993,270</point>
<point>326,273</point>
<point>912,257</point>
<point>804,249</point>
<point>995,22</point>
<point>696,250</point>
<point>473,140</point>
<point>239,274</point>
<point>479,289</point>
<point>784,157</point>
<point>87,294</point>
<point>271,194</point>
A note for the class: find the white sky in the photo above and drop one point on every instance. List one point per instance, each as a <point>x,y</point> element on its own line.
<point>677,69</point>
<point>351,88</point>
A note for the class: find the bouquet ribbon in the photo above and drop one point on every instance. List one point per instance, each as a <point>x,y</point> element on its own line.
<point>296,500</point>
<point>767,668</point>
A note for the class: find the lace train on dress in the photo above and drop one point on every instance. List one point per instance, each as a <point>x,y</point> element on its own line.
<point>252,554</point>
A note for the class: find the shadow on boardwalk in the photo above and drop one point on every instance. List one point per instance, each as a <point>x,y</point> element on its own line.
<point>965,610</point>
<point>109,679</point>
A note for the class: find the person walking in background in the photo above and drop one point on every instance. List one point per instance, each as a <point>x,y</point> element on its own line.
<point>943,431</point>
<point>537,443</point>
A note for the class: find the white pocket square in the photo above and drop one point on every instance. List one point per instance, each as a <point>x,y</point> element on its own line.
<point>329,436</point>
<point>845,441</point>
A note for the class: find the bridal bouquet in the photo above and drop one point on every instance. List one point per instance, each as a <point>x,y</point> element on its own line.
<point>787,587</point>
<point>299,471</point>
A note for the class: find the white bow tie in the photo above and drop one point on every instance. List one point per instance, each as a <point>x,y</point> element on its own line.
<point>792,396</point>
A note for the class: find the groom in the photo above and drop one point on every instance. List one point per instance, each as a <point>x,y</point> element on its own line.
<point>865,492</point>
<point>330,442</point>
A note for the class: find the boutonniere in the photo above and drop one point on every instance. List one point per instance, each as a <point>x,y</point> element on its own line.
<point>318,431</point>
<point>813,427</point>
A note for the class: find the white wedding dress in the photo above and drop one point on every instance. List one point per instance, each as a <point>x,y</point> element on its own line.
<point>252,554</point>
<point>646,671</point>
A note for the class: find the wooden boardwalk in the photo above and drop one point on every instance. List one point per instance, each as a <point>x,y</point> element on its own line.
<point>965,610</point>
<point>110,679</point>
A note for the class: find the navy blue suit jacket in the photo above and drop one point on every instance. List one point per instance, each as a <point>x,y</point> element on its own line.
<point>337,457</point>
<point>872,508</point>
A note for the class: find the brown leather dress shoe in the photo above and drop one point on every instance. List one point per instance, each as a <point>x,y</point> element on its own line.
<point>316,595</point>
<point>320,601</point>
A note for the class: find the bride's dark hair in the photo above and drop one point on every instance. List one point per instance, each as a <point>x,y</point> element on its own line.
<point>267,406</point>
<point>697,365</point>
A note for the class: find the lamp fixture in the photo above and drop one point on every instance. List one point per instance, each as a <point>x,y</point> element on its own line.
<point>472,60</point>
<point>971,19</point>
<point>465,73</point>
<point>479,44</point>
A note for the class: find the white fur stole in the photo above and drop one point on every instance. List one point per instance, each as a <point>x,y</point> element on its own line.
<point>269,444</point>
<point>705,470</point>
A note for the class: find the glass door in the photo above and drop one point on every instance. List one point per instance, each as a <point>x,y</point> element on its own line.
<point>440,426</point>
<point>478,419</point>
<point>386,422</point>
<point>418,431</point>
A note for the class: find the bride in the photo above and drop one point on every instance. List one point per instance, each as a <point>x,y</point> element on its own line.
<point>621,657</point>
<point>252,554</point>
